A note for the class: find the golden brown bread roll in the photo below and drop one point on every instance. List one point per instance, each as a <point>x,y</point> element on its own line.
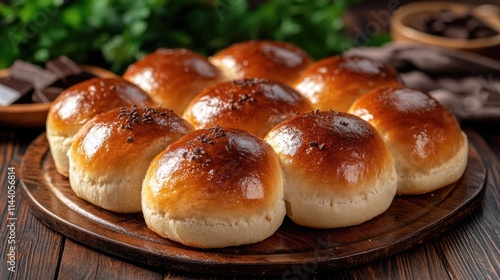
<point>172,77</point>
<point>279,61</point>
<point>426,142</point>
<point>112,152</point>
<point>214,188</point>
<point>338,171</point>
<point>254,105</point>
<point>81,102</point>
<point>335,82</point>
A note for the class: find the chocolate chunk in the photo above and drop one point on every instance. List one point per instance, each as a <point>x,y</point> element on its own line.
<point>30,83</point>
<point>437,27</point>
<point>448,24</point>
<point>39,77</point>
<point>67,71</point>
<point>63,67</point>
<point>14,91</point>
<point>483,32</point>
<point>447,16</point>
<point>422,24</point>
<point>46,95</point>
<point>456,31</point>
<point>78,78</point>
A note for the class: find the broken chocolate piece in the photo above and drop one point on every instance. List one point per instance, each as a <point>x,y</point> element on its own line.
<point>39,77</point>
<point>30,83</point>
<point>67,71</point>
<point>63,67</point>
<point>14,91</point>
<point>46,95</point>
<point>448,24</point>
<point>77,78</point>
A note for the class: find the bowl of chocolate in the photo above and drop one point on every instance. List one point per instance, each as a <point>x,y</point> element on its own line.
<point>27,90</point>
<point>450,25</point>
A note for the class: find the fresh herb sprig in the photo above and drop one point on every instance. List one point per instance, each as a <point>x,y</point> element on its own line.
<point>114,33</point>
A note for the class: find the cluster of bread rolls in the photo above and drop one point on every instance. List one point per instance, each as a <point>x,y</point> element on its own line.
<point>216,151</point>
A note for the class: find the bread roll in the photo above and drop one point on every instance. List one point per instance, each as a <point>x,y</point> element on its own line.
<point>254,105</point>
<point>335,82</point>
<point>81,102</point>
<point>338,171</point>
<point>112,152</point>
<point>278,61</point>
<point>214,188</point>
<point>172,77</point>
<point>426,142</point>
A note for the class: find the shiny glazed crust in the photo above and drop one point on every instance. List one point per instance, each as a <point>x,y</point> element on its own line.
<point>278,61</point>
<point>336,82</point>
<point>215,188</point>
<point>254,105</point>
<point>172,77</point>
<point>338,171</point>
<point>81,102</point>
<point>426,142</point>
<point>111,153</point>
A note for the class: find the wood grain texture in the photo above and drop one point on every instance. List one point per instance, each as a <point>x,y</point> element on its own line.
<point>28,229</point>
<point>76,257</point>
<point>475,234</point>
<point>410,221</point>
<point>400,266</point>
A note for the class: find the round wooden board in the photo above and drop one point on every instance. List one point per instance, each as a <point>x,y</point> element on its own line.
<point>411,220</point>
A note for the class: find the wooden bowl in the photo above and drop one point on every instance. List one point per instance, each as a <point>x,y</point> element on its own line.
<point>403,18</point>
<point>34,115</point>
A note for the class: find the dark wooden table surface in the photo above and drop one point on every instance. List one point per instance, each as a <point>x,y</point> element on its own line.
<point>469,250</point>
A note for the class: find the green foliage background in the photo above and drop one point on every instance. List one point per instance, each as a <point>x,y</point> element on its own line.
<point>114,33</point>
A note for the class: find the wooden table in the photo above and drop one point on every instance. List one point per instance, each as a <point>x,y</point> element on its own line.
<point>469,250</point>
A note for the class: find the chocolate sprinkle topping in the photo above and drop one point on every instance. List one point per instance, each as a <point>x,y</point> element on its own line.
<point>132,116</point>
<point>240,101</point>
<point>237,102</point>
<point>316,144</point>
<point>198,152</point>
<point>249,82</point>
<point>217,131</point>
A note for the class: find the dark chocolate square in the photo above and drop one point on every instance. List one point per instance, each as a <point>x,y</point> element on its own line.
<point>39,77</point>
<point>63,67</point>
<point>14,91</point>
<point>46,95</point>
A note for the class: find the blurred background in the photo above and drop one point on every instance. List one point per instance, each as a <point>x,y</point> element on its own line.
<point>114,33</point>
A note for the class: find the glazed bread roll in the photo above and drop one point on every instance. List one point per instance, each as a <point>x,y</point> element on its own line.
<point>429,148</point>
<point>111,154</point>
<point>214,188</point>
<point>81,102</point>
<point>335,82</point>
<point>338,171</point>
<point>172,77</point>
<point>278,61</point>
<point>254,105</point>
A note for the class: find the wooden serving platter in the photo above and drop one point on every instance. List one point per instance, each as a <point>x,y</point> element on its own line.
<point>410,221</point>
